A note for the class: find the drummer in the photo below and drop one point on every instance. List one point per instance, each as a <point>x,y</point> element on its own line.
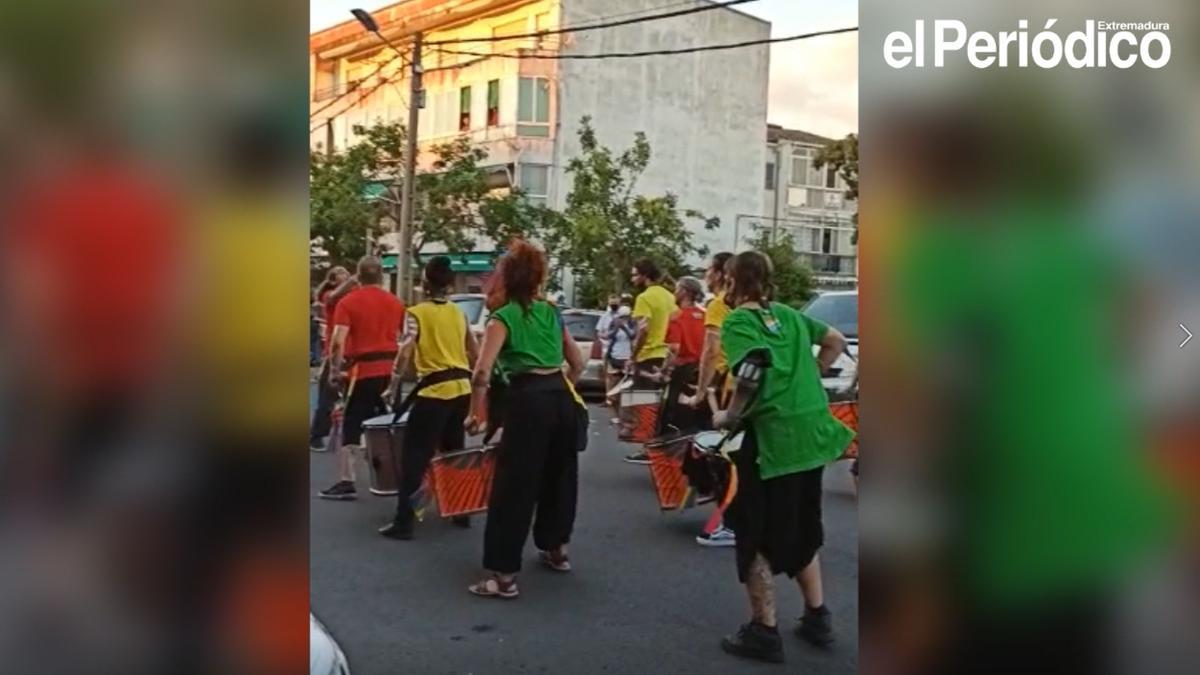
<point>439,342</point>
<point>714,370</point>
<point>790,436</point>
<point>537,464</point>
<point>366,323</point>
<point>685,339</point>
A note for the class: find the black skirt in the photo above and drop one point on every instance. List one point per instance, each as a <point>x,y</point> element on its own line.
<point>779,518</point>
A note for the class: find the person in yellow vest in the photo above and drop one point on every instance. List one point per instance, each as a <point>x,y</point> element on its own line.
<point>437,337</point>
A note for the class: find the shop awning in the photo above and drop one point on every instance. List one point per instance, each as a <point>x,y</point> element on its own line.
<point>474,261</point>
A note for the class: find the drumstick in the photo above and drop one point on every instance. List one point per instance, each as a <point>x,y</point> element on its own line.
<point>712,399</point>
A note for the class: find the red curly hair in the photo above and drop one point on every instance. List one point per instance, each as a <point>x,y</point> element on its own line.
<point>518,277</point>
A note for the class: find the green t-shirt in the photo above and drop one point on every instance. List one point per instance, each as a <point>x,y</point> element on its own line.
<point>655,305</point>
<point>1042,440</point>
<point>535,337</point>
<point>790,415</point>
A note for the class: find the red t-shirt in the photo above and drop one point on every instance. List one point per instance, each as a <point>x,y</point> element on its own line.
<point>687,330</point>
<point>374,317</point>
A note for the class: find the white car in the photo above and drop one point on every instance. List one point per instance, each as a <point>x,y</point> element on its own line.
<point>839,309</point>
<point>581,324</point>
<point>325,657</point>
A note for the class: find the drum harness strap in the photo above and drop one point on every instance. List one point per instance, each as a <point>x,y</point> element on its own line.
<point>436,377</point>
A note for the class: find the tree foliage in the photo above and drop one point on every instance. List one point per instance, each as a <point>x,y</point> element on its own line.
<point>453,206</point>
<point>842,155</point>
<point>606,227</point>
<point>791,277</point>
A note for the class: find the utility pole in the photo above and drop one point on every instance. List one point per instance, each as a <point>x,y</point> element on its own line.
<point>416,101</point>
<point>406,184</point>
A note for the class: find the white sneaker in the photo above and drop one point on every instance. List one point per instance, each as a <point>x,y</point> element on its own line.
<point>722,536</point>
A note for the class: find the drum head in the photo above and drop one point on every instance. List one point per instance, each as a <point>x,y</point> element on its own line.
<point>384,421</point>
<point>708,441</point>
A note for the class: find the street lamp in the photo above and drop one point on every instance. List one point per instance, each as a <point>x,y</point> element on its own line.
<point>404,222</point>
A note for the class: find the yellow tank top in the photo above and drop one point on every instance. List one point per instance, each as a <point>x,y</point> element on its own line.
<point>441,345</point>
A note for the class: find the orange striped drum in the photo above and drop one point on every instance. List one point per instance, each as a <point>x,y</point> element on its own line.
<point>461,481</point>
<point>847,412</point>
<point>666,471</point>
<point>639,415</point>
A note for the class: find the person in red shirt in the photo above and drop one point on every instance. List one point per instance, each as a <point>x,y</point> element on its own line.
<point>336,285</point>
<point>367,325</point>
<point>685,342</point>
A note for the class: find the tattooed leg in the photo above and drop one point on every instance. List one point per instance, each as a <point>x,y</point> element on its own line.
<point>760,585</point>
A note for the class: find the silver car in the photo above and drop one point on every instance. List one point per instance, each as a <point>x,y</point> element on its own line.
<point>581,325</point>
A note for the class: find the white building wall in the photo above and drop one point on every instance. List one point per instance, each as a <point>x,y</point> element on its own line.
<point>704,114</point>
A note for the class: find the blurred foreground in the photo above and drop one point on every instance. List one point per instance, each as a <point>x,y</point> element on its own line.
<point>154,211</point>
<point>1030,433</point>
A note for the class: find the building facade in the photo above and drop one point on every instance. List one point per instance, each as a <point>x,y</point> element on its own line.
<point>808,203</point>
<point>704,114</point>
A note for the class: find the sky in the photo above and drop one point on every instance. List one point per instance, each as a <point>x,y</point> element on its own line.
<point>814,82</point>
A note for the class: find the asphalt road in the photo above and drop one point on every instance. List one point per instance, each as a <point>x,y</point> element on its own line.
<point>643,596</point>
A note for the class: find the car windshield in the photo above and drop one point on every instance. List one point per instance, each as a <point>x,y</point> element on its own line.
<point>581,327</point>
<point>839,311</point>
<point>471,306</point>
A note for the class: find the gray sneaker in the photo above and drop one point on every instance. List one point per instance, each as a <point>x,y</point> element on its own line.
<point>722,536</point>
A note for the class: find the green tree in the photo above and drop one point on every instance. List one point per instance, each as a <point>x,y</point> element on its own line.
<point>606,227</point>
<point>453,202</point>
<point>791,277</point>
<point>842,155</point>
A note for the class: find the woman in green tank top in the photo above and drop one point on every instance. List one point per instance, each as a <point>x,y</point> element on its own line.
<point>537,463</point>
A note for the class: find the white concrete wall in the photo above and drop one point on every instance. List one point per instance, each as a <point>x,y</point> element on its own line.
<point>704,114</point>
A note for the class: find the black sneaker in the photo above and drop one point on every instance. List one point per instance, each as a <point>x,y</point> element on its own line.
<point>816,626</point>
<point>638,458</point>
<point>394,530</point>
<point>343,490</point>
<point>755,641</point>
<point>316,444</point>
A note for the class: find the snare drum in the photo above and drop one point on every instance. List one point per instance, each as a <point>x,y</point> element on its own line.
<point>639,415</point>
<point>461,481</point>
<point>385,444</point>
<point>666,471</point>
<point>847,413</point>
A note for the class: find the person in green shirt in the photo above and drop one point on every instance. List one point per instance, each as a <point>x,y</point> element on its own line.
<point>537,462</point>
<point>790,436</point>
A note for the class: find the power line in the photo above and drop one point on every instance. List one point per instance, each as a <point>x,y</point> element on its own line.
<point>607,24</point>
<point>657,52</point>
<point>355,85</point>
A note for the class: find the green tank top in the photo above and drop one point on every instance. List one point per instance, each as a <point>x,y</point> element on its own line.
<point>534,337</point>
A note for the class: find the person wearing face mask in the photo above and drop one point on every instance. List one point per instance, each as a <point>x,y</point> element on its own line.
<point>603,324</point>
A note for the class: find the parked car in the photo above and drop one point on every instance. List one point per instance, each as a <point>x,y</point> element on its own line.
<point>325,657</point>
<point>581,325</point>
<point>840,310</point>
<point>474,305</point>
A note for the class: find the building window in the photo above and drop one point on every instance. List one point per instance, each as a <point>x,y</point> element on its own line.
<point>534,181</point>
<point>493,103</point>
<point>799,170</point>
<point>828,243</point>
<point>830,177</point>
<point>533,107</point>
<point>815,242</point>
<point>769,181</point>
<point>464,109</point>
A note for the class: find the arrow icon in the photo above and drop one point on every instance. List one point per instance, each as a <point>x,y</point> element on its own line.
<point>1186,339</point>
